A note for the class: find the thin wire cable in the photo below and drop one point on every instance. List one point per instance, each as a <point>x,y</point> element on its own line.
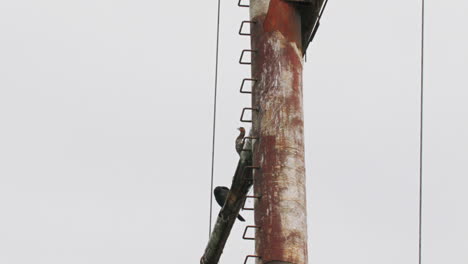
<point>214,116</point>
<point>421,133</point>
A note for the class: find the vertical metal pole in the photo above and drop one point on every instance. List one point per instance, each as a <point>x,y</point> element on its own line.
<point>277,66</point>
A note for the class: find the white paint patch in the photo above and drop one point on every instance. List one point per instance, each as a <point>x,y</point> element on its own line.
<point>279,79</point>
<point>282,75</point>
<point>258,7</point>
<point>297,50</point>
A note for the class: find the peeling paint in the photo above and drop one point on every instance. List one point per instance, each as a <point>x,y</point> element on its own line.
<point>259,8</point>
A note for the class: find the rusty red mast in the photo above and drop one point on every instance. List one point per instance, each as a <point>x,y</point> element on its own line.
<point>280,33</point>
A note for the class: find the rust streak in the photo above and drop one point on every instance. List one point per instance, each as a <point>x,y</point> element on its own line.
<point>277,67</point>
<point>278,18</point>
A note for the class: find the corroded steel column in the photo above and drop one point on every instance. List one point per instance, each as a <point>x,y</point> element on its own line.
<point>279,151</point>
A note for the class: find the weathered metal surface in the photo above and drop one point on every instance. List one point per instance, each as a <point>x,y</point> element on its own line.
<point>309,12</point>
<point>279,151</point>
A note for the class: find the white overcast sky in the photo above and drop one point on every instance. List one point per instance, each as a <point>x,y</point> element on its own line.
<point>106,124</point>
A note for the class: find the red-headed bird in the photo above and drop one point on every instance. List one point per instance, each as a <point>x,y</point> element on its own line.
<point>239,140</point>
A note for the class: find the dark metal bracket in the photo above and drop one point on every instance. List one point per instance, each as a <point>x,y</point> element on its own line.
<point>251,256</point>
<point>241,61</point>
<point>244,236</point>
<point>243,83</point>
<point>243,112</point>
<point>241,5</point>
<point>242,26</point>
<point>245,200</point>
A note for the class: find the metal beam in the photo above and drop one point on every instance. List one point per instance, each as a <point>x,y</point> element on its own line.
<point>241,183</point>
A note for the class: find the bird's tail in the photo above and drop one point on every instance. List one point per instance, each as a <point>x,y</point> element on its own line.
<point>240,218</point>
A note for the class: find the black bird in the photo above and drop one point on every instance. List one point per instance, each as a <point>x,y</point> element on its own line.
<point>220,194</point>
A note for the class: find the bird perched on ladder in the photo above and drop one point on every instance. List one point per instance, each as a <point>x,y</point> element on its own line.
<point>239,140</point>
<point>220,194</point>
